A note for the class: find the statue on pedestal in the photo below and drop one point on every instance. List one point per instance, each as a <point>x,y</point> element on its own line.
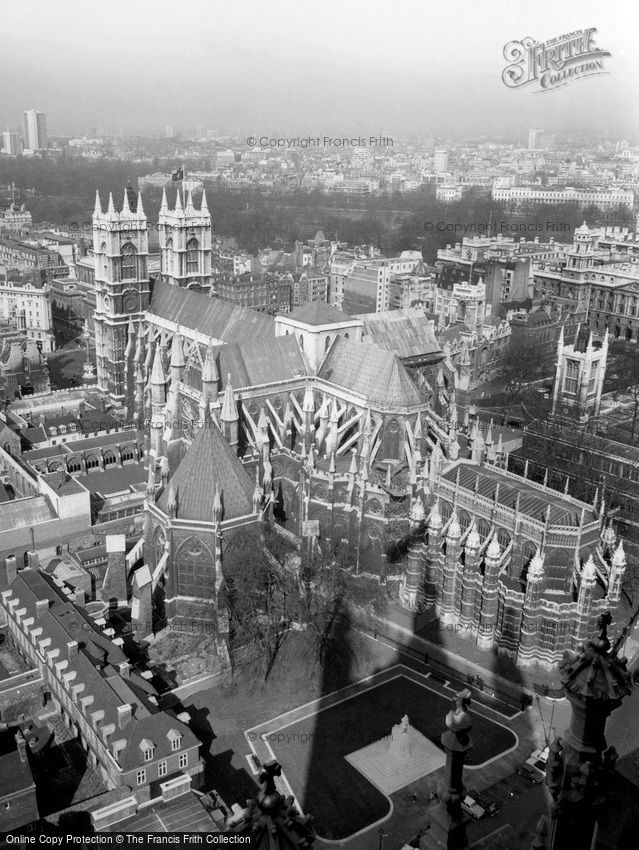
<point>400,739</point>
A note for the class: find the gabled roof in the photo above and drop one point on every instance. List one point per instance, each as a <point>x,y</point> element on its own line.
<point>209,461</point>
<point>376,374</point>
<point>213,317</point>
<point>252,363</point>
<point>319,313</point>
<point>406,332</point>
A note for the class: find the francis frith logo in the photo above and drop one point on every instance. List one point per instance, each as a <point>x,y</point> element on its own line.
<point>549,65</point>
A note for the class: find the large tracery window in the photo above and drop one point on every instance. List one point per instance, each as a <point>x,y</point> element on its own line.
<point>192,250</point>
<point>196,569</point>
<point>128,261</point>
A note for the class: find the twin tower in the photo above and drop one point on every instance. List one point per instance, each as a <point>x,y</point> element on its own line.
<point>121,240</point>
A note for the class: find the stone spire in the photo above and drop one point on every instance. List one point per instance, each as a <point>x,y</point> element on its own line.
<point>130,345</point>
<point>417,512</point>
<point>609,538</point>
<point>229,407</point>
<point>158,378</point>
<point>435,518</point>
<point>536,568</point>
<point>171,501</point>
<point>617,571</point>
<point>210,378</point>
<point>454,529</point>
<point>229,416</point>
<point>473,540</point>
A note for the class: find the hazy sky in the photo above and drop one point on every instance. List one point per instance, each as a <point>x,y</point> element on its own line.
<point>320,67</point>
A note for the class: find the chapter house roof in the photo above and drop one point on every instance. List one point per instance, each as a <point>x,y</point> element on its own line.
<point>209,460</point>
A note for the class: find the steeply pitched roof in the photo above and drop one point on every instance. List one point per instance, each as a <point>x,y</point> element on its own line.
<point>209,460</point>
<point>263,362</point>
<point>406,332</point>
<point>376,374</point>
<point>213,317</point>
<point>319,313</point>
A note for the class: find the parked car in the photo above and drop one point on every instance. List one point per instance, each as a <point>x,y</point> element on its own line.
<point>489,806</point>
<point>532,773</point>
<point>472,807</point>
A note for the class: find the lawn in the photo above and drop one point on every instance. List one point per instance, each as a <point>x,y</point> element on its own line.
<point>313,751</point>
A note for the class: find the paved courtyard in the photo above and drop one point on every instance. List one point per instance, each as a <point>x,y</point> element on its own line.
<point>314,741</point>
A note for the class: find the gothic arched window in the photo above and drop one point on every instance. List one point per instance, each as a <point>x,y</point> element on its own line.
<point>192,248</point>
<point>391,446</point>
<point>503,537</point>
<point>128,262</point>
<point>196,571</point>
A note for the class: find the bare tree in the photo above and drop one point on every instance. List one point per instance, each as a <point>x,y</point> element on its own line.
<point>521,366</point>
<point>263,599</point>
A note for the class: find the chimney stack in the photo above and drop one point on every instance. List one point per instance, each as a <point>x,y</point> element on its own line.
<point>124,669</point>
<point>41,606</point>
<point>11,568</point>
<point>21,744</point>
<point>125,713</point>
<point>72,649</point>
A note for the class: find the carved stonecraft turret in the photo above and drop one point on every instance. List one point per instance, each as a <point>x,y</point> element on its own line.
<point>580,763</point>
<point>273,820</point>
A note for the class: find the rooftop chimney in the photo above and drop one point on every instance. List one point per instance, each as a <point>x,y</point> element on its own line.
<point>21,744</point>
<point>41,606</point>
<point>11,568</point>
<point>72,649</point>
<point>125,670</point>
<point>125,713</point>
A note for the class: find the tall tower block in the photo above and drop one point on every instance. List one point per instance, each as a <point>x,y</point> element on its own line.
<point>120,247</point>
<point>185,243</point>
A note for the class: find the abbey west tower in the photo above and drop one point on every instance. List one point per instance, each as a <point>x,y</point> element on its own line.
<point>185,243</point>
<point>120,248</point>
